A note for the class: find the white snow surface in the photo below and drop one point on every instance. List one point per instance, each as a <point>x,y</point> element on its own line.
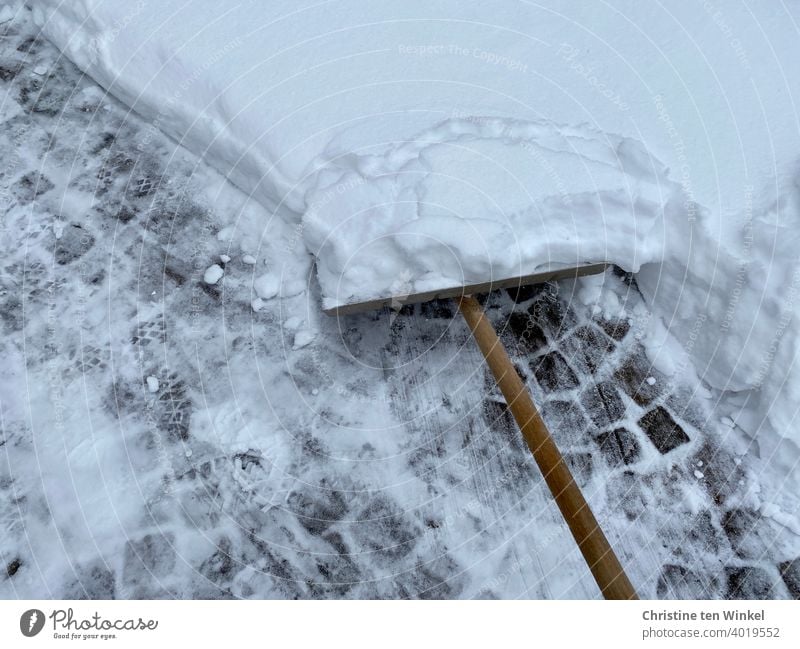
<point>213,274</point>
<point>436,142</point>
<point>375,462</point>
<point>475,199</point>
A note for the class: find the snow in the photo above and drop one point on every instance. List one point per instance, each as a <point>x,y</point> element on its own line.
<point>267,286</point>
<point>213,274</point>
<point>6,14</point>
<point>470,200</point>
<point>152,384</point>
<point>494,139</point>
<point>302,128</point>
<point>303,338</point>
<point>293,323</point>
<point>225,234</point>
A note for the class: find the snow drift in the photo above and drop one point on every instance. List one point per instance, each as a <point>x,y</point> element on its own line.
<point>430,142</point>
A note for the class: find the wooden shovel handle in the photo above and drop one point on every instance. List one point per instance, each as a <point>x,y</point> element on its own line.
<point>606,568</point>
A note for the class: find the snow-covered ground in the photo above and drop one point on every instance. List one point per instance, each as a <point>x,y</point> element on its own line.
<point>424,142</point>
<point>178,419</point>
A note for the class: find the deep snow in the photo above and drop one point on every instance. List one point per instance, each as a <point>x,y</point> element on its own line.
<point>272,93</point>
<point>338,506</point>
<point>477,199</point>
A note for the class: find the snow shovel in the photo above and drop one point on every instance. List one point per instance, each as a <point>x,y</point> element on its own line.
<point>596,550</point>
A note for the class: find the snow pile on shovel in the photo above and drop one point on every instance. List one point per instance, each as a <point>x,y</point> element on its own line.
<point>472,200</point>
